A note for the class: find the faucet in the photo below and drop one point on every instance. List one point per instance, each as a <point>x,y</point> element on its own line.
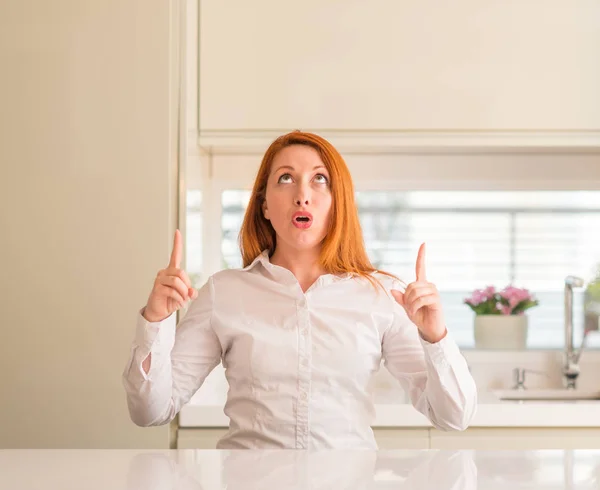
<point>519,377</point>
<point>571,356</point>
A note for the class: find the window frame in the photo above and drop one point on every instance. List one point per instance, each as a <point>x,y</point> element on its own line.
<point>237,171</point>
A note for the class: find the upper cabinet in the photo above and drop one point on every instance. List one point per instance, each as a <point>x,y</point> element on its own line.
<point>408,65</point>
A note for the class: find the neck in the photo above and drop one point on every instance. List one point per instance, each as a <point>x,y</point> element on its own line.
<point>304,264</point>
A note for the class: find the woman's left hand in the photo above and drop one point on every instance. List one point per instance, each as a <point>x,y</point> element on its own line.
<point>421,300</point>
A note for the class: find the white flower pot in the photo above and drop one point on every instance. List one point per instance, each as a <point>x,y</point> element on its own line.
<point>508,332</point>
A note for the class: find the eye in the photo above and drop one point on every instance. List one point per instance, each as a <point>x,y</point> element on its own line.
<point>283,178</point>
<point>324,179</point>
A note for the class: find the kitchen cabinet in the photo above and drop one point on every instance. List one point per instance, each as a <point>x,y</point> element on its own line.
<point>361,70</point>
<point>493,438</point>
<point>201,438</point>
<point>517,438</point>
<point>407,438</point>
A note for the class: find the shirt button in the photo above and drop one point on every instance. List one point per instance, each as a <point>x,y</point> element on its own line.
<point>303,396</point>
<point>303,331</point>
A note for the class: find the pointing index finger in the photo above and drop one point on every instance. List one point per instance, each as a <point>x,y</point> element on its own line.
<point>177,251</point>
<point>420,268</point>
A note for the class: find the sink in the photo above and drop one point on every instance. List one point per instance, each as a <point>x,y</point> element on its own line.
<point>547,394</point>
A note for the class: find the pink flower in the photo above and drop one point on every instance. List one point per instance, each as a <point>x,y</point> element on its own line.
<point>510,301</point>
<point>481,295</point>
<point>514,295</point>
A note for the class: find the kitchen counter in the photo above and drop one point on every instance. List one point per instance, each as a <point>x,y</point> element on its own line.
<point>491,412</point>
<point>290,469</point>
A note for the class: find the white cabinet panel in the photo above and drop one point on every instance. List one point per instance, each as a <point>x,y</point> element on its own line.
<point>517,438</point>
<point>475,438</point>
<point>199,438</point>
<point>402,438</point>
<point>207,438</point>
<point>372,65</point>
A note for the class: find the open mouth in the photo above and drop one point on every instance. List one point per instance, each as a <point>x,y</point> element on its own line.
<point>302,219</point>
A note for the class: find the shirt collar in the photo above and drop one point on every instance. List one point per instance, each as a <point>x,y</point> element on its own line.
<point>264,259</point>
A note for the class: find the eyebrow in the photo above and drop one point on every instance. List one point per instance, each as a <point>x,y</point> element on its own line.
<point>292,168</point>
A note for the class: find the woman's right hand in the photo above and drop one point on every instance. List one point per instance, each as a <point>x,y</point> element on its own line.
<point>172,287</point>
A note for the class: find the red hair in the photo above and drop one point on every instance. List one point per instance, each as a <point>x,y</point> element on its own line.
<point>343,249</point>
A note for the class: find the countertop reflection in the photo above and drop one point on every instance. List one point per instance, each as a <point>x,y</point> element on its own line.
<point>289,469</point>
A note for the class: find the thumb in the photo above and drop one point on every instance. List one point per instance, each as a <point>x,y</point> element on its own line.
<point>398,295</point>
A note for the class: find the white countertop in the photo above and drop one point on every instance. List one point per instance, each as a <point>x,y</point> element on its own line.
<point>491,412</point>
<point>188,469</point>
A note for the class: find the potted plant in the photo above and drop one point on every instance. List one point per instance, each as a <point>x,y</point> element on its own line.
<point>500,319</point>
<point>591,305</point>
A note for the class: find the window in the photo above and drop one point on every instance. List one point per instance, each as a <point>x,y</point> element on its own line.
<point>532,239</point>
<point>194,224</point>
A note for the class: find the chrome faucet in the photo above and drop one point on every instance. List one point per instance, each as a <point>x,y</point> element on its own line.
<point>519,377</point>
<point>571,356</point>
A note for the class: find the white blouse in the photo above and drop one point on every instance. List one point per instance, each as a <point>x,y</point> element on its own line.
<point>298,363</point>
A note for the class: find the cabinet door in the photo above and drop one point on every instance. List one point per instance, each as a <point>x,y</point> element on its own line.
<point>381,80</point>
<point>386,438</point>
<point>199,438</point>
<point>517,438</point>
<point>402,438</point>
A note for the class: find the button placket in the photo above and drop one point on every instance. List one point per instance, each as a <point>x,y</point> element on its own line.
<point>304,353</point>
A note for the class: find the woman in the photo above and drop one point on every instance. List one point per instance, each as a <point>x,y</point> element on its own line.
<point>303,326</point>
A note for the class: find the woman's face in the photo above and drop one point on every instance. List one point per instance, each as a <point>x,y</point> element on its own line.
<point>298,198</point>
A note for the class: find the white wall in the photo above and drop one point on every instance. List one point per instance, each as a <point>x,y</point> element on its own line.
<point>407,65</point>
<point>87,212</point>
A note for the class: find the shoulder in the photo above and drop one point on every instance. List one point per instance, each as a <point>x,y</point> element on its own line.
<point>241,274</point>
<point>227,276</point>
<point>389,282</point>
<point>237,278</point>
<point>377,286</point>
<point>375,297</point>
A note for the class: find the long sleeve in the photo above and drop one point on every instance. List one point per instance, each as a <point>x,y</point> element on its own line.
<point>435,376</point>
<point>182,358</point>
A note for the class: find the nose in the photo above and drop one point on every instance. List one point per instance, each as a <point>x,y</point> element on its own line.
<point>303,196</point>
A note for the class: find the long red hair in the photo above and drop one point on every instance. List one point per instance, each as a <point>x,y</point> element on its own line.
<point>343,249</point>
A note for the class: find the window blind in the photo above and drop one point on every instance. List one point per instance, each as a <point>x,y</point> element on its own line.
<point>530,239</point>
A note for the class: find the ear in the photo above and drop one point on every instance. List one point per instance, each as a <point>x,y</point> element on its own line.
<point>265,210</point>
